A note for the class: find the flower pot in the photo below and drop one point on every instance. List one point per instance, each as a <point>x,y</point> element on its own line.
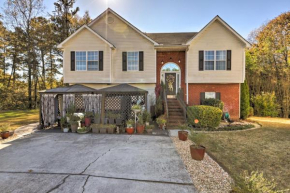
<point>149,131</point>
<point>5,135</point>
<point>87,122</point>
<point>95,128</point>
<point>103,130</point>
<point>182,135</point>
<point>111,121</point>
<point>140,129</point>
<point>130,130</point>
<point>65,130</point>
<point>122,130</point>
<point>111,130</point>
<point>197,153</point>
<point>74,128</point>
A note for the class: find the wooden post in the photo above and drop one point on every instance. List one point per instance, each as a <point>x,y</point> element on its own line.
<point>103,108</point>
<point>40,110</point>
<point>146,102</point>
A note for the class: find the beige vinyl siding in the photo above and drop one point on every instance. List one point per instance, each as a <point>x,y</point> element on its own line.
<point>216,37</point>
<point>127,39</point>
<point>86,41</point>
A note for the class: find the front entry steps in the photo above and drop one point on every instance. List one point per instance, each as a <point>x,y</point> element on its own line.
<point>175,114</point>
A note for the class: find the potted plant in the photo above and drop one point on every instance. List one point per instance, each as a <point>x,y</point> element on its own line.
<point>130,128</point>
<point>103,128</point>
<point>140,124</point>
<point>111,117</point>
<point>74,124</point>
<point>149,128</point>
<point>97,118</point>
<point>82,121</point>
<point>83,130</point>
<point>197,150</point>
<point>88,117</point>
<point>182,135</point>
<point>119,120</point>
<point>95,128</point>
<point>111,128</point>
<point>71,109</point>
<point>146,117</point>
<point>4,129</point>
<point>64,124</point>
<point>161,121</point>
<point>136,108</point>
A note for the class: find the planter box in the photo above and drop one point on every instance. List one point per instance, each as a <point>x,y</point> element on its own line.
<point>74,128</point>
<point>103,130</point>
<point>111,130</point>
<point>95,128</point>
<point>111,121</point>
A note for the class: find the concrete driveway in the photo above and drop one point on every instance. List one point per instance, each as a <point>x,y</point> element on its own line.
<point>67,162</point>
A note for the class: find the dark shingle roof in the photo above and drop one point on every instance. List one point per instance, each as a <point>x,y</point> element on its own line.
<point>70,89</point>
<point>177,38</point>
<point>123,88</point>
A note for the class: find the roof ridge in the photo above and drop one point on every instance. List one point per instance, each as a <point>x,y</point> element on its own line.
<point>166,32</point>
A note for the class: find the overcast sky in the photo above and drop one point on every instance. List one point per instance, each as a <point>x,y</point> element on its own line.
<point>185,15</point>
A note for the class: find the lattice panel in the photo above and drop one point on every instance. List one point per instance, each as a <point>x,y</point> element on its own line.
<point>122,103</point>
<point>79,103</point>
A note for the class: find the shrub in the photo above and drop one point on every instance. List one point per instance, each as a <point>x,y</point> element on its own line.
<point>245,100</point>
<point>265,105</point>
<point>161,120</point>
<point>214,103</point>
<point>158,107</point>
<point>207,116</point>
<point>251,111</point>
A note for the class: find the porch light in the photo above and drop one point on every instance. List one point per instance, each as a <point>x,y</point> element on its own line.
<point>179,60</point>
<point>162,62</point>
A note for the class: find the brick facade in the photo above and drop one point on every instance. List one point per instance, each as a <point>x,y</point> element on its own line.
<point>230,95</point>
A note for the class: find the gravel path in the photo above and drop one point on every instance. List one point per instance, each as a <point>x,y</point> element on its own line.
<point>206,175</point>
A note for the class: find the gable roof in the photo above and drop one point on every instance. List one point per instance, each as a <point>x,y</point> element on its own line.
<point>125,21</point>
<point>217,18</point>
<point>79,30</point>
<point>177,38</point>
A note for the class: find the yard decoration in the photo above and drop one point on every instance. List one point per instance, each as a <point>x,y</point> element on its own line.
<point>88,117</point>
<point>161,121</point>
<point>149,128</point>
<point>4,129</point>
<point>130,128</point>
<point>140,124</point>
<point>74,124</point>
<point>197,150</point>
<point>183,134</point>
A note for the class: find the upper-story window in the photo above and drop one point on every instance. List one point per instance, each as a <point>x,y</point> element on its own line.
<point>215,60</point>
<point>132,61</point>
<point>87,60</point>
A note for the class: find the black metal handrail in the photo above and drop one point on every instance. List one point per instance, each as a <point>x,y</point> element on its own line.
<point>165,102</point>
<point>181,101</point>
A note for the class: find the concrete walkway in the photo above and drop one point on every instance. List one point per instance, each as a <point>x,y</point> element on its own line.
<point>67,162</point>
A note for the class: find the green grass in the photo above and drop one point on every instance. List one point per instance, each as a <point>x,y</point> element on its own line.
<point>18,118</point>
<point>265,150</point>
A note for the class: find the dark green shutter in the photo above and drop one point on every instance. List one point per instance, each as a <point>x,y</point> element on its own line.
<point>101,61</point>
<point>200,59</point>
<point>141,61</point>
<point>124,61</point>
<point>202,97</point>
<point>72,61</point>
<point>229,59</point>
<point>218,95</point>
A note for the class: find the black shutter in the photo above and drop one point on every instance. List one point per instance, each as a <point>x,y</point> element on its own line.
<point>72,61</point>
<point>141,61</point>
<point>200,60</point>
<point>202,97</point>
<point>229,59</point>
<point>101,61</point>
<point>218,95</point>
<point>124,60</point>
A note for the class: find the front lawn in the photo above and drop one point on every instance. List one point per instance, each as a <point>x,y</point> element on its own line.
<point>264,150</point>
<point>18,118</point>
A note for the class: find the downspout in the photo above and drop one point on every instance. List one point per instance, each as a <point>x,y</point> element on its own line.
<point>186,68</point>
<point>111,65</point>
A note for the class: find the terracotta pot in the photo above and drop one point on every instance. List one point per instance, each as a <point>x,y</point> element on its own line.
<point>182,135</point>
<point>197,153</point>
<point>74,128</point>
<point>87,121</point>
<point>5,135</point>
<point>111,130</point>
<point>103,130</point>
<point>130,130</point>
<point>140,129</point>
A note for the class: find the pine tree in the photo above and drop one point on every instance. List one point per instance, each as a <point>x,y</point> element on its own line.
<point>245,100</point>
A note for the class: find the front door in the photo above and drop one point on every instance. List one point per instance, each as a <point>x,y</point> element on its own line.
<point>170,83</point>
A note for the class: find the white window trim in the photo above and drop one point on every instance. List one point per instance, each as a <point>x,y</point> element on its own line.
<point>128,61</point>
<point>221,60</point>
<point>214,61</point>
<point>209,94</point>
<point>87,59</point>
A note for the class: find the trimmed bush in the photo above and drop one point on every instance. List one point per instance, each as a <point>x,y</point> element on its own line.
<point>245,100</point>
<point>207,116</point>
<point>265,105</point>
<point>214,103</point>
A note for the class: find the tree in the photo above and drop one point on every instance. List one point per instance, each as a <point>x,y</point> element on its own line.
<point>245,100</point>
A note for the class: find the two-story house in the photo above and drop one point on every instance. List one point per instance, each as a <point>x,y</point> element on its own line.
<point>205,64</point>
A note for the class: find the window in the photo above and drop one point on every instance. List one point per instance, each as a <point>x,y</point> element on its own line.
<point>215,60</point>
<point>132,61</point>
<point>93,60</point>
<point>209,60</point>
<point>209,95</point>
<point>81,64</point>
<point>221,60</point>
